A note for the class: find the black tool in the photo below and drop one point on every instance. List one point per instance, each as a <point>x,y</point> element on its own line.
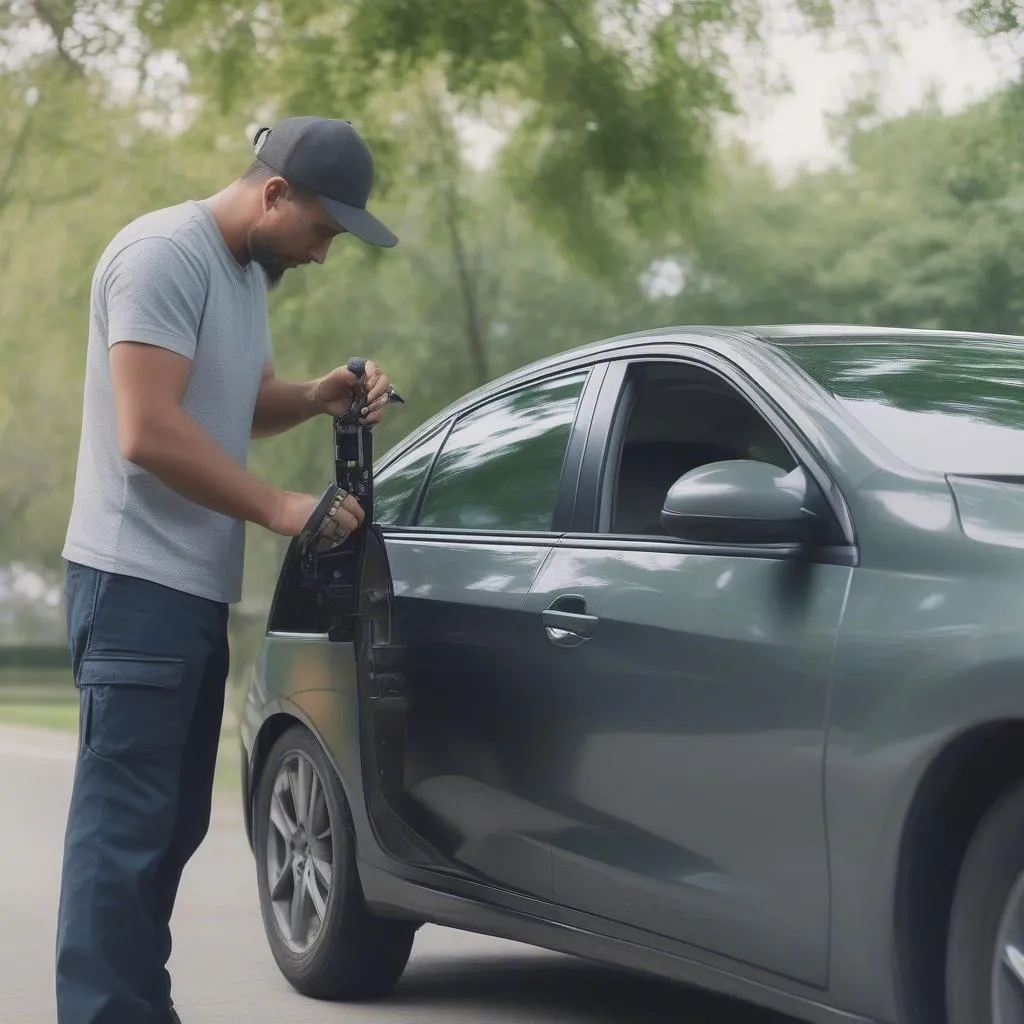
<point>353,446</point>
<point>353,474</point>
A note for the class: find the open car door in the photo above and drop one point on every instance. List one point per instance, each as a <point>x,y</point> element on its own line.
<point>429,694</point>
<point>344,591</point>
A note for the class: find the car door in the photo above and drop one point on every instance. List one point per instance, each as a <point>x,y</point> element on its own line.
<point>688,689</point>
<point>469,516</point>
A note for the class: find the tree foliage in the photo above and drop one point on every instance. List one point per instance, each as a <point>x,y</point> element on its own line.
<point>921,228</point>
<point>995,17</point>
<point>610,105</point>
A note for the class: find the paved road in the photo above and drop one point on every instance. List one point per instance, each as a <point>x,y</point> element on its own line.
<point>223,970</point>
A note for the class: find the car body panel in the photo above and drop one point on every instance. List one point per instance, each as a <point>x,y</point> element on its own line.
<point>549,926</point>
<point>313,680</point>
<point>693,719</point>
<point>460,614</point>
<point>399,887</point>
<point>818,722</point>
<point>928,653</point>
<point>697,708</point>
<point>990,511</point>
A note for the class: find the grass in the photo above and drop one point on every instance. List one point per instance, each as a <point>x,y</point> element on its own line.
<point>62,716</point>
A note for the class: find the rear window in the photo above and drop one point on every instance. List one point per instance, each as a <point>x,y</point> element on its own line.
<point>951,407</point>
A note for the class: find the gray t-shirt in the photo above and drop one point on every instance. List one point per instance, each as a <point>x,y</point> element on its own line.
<point>169,279</point>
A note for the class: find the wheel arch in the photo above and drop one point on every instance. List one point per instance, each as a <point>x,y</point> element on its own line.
<point>962,782</point>
<point>280,717</point>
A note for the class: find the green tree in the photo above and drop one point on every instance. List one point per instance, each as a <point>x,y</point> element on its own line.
<point>610,105</point>
<point>918,227</point>
<point>995,17</point>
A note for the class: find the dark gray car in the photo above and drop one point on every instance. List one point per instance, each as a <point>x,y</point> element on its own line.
<point>698,652</point>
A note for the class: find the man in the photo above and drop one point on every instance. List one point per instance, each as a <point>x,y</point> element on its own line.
<point>178,378</point>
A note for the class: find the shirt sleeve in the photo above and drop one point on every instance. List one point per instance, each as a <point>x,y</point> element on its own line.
<point>155,294</point>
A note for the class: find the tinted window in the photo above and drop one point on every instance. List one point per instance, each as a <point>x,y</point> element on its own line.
<point>678,417</point>
<point>950,406</point>
<point>500,467</point>
<point>395,490</point>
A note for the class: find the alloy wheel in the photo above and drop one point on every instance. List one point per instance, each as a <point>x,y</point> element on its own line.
<point>300,852</point>
<point>1008,965</point>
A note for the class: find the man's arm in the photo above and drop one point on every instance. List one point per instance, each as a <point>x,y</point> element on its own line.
<point>155,292</point>
<point>156,433</point>
<point>281,405</point>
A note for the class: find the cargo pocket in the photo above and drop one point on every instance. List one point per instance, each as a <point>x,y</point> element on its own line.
<point>131,708</point>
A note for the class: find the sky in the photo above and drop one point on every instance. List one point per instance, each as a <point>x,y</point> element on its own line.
<point>935,51</point>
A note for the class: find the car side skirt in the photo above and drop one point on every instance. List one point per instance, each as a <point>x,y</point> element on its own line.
<point>564,931</point>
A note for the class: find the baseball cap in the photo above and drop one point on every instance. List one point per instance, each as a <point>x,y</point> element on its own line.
<point>328,157</point>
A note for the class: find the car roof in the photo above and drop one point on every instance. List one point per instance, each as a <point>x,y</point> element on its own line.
<point>725,340</point>
<point>731,339</point>
<point>849,334</point>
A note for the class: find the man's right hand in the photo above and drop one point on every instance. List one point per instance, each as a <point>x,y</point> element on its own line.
<point>294,509</point>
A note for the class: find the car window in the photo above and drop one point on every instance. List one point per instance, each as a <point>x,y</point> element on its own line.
<point>677,417</point>
<point>501,465</point>
<point>395,489</point>
<point>949,406</point>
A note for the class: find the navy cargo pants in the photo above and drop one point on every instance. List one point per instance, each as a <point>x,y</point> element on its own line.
<point>150,665</point>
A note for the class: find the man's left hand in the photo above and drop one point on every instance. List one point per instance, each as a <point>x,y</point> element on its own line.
<point>335,393</point>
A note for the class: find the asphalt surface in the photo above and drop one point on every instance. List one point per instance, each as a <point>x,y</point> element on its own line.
<point>223,970</point>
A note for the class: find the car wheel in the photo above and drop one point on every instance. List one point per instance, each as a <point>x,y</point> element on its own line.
<point>985,956</point>
<point>325,941</point>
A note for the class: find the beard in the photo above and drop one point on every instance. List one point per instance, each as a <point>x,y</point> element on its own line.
<point>263,251</point>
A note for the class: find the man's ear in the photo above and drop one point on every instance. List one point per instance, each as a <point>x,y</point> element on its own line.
<point>274,191</point>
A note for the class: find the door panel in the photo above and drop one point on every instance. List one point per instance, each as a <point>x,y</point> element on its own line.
<point>459,611</point>
<point>685,715</point>
<point>683,741</point>
<point>485,524</point>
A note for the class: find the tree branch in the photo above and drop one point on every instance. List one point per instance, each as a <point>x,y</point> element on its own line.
<point>58,29</point>
<point>468,283</point>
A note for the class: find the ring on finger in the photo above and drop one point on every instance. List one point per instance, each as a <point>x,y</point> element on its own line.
<point>339,500</point>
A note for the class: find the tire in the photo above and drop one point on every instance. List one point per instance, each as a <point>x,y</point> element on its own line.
<point>991,881</point>
<point>346,953</point>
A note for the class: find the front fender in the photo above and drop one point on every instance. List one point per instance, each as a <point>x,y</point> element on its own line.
<point>312,681</point>
<point>922,661</point>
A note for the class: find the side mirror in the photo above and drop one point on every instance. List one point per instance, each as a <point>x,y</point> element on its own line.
<point>741,502</point>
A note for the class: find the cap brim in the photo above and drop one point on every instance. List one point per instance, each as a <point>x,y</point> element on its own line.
<point>359,222</point>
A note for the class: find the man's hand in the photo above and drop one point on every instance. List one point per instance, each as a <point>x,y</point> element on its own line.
<point>335,393</point>
<point>294,509</point>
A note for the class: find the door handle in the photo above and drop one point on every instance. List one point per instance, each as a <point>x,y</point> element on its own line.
<point>568,628</point>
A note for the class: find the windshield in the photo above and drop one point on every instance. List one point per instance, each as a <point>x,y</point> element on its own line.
<point>949,406</point>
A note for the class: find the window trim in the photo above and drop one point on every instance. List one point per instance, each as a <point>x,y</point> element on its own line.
<point>834,554</point>
<point>593,374</point>
<point>608,482</point>
<point>585,527</point>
